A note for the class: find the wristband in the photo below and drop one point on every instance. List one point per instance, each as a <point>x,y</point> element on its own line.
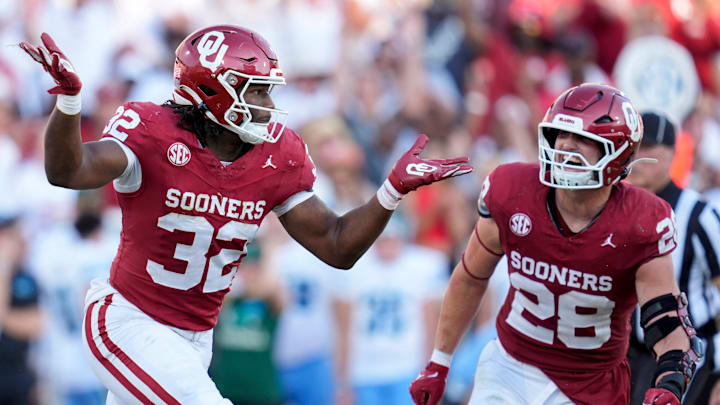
<point>441,358</point>
<point>388,196</point>
<point>69,105</point>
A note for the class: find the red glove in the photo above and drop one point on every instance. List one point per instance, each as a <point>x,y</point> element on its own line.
<point>57,64</point>
<point>660,396</point>
<point>411,172</point>
<point>429,386</point>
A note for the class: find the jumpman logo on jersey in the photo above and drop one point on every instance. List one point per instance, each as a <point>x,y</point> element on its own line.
<point>269,163</point>
<point>608,241</point>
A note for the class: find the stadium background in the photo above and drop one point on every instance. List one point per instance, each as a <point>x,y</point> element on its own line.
<point>364,78</point>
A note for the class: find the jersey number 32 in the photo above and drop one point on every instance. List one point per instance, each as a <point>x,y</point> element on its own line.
<point>195,254</point>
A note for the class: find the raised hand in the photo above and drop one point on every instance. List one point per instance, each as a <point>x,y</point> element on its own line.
<point>660,396</point>
<point>56,63</point>
<point>411,171</point>
<point>429,386</point>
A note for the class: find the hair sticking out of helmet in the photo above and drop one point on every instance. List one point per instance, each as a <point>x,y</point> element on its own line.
<point>215,66</point>
<point>601,113</point>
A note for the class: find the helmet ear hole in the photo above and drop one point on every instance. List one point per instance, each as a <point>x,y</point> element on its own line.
<point>551,135</point>
<point>605,119</point>
<point>207,90</point>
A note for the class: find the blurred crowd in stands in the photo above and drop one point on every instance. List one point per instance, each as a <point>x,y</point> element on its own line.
<point>364,78</point>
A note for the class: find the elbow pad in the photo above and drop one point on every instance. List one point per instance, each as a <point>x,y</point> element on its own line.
<point>681,365</point>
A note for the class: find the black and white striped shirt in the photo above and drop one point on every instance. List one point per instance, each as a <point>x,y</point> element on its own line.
<point>697,255</point>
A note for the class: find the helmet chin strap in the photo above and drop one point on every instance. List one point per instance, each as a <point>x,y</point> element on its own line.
<point>252,132</point>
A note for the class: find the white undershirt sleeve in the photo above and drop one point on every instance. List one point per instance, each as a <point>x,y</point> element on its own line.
<point>291,202</point>
<point>131,179</point>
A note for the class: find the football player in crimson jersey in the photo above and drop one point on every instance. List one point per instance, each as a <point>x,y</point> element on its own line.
<point>195,177</point>
<point>583,248</point>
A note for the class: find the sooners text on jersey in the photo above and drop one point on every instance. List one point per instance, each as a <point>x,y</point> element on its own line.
<point>185,230</point>
<point>571,297</point>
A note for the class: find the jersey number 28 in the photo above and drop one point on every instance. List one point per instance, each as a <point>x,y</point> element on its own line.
<point>569,318</point>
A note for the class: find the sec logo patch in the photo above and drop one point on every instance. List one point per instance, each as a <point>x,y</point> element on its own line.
<point>520,224</point>
<point>178,154</point>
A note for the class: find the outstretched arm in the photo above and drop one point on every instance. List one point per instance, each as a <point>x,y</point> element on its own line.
<point>68,162</point>
<point>337,240</point>
<point>341,240</point>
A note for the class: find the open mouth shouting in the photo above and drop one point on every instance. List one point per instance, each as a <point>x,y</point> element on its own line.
<point>570,160</point>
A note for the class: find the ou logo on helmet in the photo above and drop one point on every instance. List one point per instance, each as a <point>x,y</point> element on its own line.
<point>212,44</point>
<point>520,224</point>
<point>632,121</point>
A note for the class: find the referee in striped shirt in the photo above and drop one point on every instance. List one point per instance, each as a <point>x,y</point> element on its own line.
<point>695,260</point>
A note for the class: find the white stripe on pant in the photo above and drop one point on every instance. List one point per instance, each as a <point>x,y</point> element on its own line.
<point>142,361</point>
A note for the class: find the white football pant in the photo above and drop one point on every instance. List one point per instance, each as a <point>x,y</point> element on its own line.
<point>502,380</point>
<point>142,361</point>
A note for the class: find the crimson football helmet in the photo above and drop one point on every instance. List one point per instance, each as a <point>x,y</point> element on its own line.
<point>214,67</point>
<point>601,113</point>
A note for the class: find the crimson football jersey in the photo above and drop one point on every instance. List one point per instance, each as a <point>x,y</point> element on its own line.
<point>571,296</point>
<point>185,230</point>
